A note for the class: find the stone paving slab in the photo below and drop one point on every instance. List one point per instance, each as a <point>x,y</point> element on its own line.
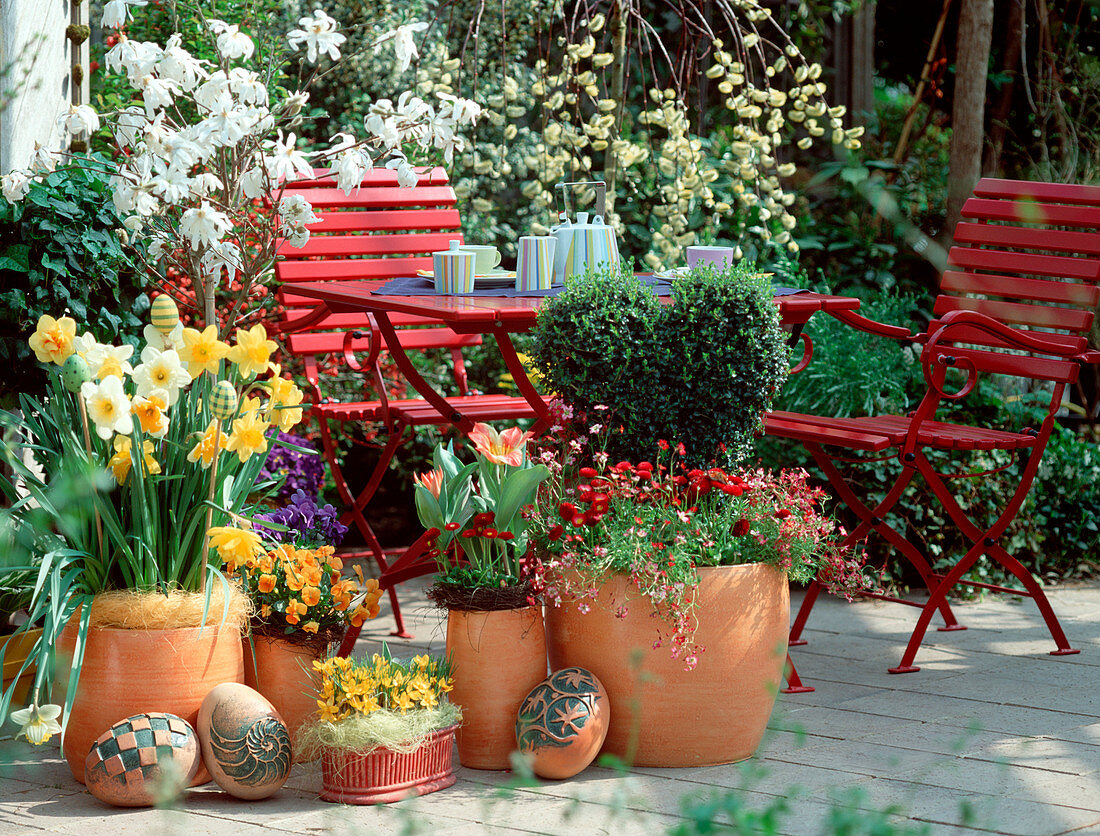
<point>993,735</point>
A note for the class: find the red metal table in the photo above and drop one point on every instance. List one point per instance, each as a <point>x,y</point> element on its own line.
<point>500,317</point>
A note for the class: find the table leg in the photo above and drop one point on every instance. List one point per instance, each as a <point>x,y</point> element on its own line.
<point>414,378</point>
<point>519,377</point>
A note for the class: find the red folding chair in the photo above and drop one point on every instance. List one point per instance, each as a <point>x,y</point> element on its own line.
<point>378,232</point>
<point>1018,298</point>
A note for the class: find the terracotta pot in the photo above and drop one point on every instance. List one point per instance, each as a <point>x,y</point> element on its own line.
<point>498,657</point>
<point>284,674</point>
<point>382,775</point>
<point>662,715</point>
<point>15,650</point>
<point>128,672</point>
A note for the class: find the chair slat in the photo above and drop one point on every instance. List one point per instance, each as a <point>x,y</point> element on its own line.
<point>1072,293</point>
<point>351,321</point>
<point>386,220</point>
<point>384,197</point>
<point>1028,238</point>
<point>974,336</point>
<point>1020,365</point>
<point>418,339</point>
<point>1085,269</point>
<point>1043,316</point>
<point>1087,217</point>
<point>353,245</point>
<point>320,270</point>
<point>1075,193</point>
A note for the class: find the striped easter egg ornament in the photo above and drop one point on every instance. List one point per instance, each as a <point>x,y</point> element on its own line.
<point>223,400</point>
<point>164,315</point>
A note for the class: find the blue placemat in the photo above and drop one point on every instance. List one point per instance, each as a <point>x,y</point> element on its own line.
<point>419,286</point>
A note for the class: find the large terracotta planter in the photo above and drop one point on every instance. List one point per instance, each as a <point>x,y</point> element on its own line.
<point>127,672</point>
<point>662,715</point>
<point>16,649</point>
<point>498,657</point>
<point>283,673</point>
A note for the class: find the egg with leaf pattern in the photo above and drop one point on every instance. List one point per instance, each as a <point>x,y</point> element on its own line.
<point>245,743</point>
<point>563,723</point>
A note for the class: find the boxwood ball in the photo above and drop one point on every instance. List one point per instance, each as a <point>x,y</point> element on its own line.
<point>130,763</point>
<point>563,722</point>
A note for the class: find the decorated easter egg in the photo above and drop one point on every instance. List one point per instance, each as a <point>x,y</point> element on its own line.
<point>74,373</point>
<point>163,314</point>
<point>223,400</point>
<point>142,759</point>
<point>245,743</point>
<point>562,723</point>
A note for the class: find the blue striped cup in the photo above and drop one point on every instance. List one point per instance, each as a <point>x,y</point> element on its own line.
<point>453,270</point>
<point>535,265</point>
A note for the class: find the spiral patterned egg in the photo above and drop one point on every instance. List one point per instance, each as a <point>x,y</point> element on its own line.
<point>245,743</point>
<point>164,315</point>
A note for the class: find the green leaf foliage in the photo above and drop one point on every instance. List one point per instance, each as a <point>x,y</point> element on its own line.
<point>701,370</point>
<point>62,252</point>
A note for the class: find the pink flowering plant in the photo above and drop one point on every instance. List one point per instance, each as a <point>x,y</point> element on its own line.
<point>479,512</point>
<point>658,522</point>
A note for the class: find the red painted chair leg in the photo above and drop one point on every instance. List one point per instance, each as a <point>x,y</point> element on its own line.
<point>812,591</point>
<point>794,681</point>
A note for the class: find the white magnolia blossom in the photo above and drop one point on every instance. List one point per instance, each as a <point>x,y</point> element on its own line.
<point>350,167</point>
<point>287,162</point>
<point>128,125</point>
<point>206,184</point>
<point>319,34</point>
<point>171,184</point>
<point>247,86</point>
<point>15,185</point>
<point>462,111</point>
<point>406,174</point>
<point>157,93</point>
<point>179,65</point>
<point>253,183</point>
<point>296,210</point>
<point>227,124</point>
<point>294,103</point>
<point>78,119</point>
<point>223,254</point>
<point>43,160</point>
<point>135,58</point>
<point>117,12</point>
<point>232,42</point>
<point>403,45</point>
<point>161,370</point>
<point>204,226</point>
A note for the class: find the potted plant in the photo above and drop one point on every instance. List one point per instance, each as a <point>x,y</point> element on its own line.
<point>384,729</point>
<point>495,636</point>
<point>670,583</point>
<point>167,450</point>
<point>302,604</point>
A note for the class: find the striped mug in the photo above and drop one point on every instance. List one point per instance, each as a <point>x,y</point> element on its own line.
<point>535,265</point>
<point>453,269</point>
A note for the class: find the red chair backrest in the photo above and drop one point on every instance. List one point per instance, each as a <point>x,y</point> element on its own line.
<point>1028,255</point>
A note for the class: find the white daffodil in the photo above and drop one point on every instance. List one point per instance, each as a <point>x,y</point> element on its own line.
<point>108,406</point>
<point>161,342</point>
<point>106,360</point>
<point>204,226</point>
<point>404,46</point>
<point>286,161</point>
<point>233,43</point>
<point>320,36</point>
<point>179,65</point>
<point>15,185</point>
<point>84,343</point>
<point>78,119</point>
<point>253,184</point>
<point>38,722</point>
<point>117,12</point>
<point>161,370</point>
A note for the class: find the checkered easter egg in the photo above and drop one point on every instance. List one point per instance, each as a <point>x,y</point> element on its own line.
<point>223,400</point>
<point>142,758</point>
<point>164,314</point>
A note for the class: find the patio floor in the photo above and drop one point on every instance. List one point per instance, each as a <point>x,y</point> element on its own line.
<point>992,735</point>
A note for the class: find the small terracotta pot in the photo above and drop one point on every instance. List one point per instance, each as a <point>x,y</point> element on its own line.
<point>498,657</point>
<point>661,714</point>
<point>128,672</point>
<point>284,674</point>
<point>382,775</point>
<point>16,649</point>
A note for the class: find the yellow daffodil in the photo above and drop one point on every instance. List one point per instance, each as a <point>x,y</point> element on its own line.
<point>250,407</point>
<point>52,340</point>
<point>38,722</point>
<point>252,353</point>
<point>203,451</point>
<point>202,350</point>
<point>150,412</point>
<point>122,460</point>
<point>282,408</point>
<point>235,545</point>
<point>248,436</point>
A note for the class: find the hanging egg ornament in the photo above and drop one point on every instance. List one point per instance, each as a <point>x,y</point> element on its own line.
<point>74,373</point>
<point>223,400</point>
<point>164,314</point>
